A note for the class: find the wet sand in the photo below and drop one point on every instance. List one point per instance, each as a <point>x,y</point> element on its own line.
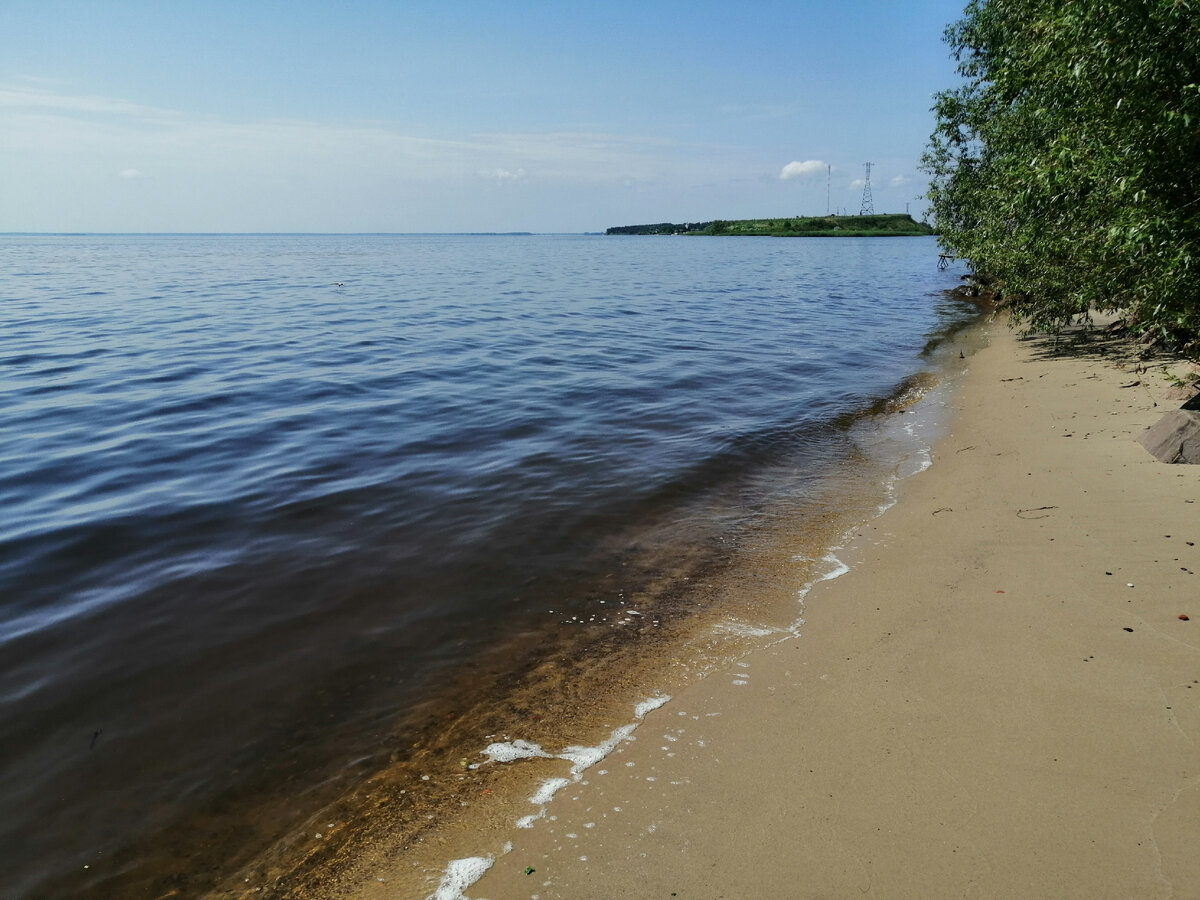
<point>1000,699</point>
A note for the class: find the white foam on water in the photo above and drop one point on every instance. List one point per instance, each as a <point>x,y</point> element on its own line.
<point>580,757</point>
<point>743,629</point>
<point>548,789</point>
<point>923,431</point>
<point>461,874</point>
<point>926,461</point>
<point>836,569</point>
<point>583,758</point>
<point>648,706</point>
<point>527,821</point>
<point>509,751</point>
<point>889,499</point>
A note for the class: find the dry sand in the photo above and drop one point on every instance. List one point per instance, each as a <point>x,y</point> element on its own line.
<point>999,700</point>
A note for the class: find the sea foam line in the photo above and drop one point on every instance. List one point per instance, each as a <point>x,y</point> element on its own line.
<point>460,874</point>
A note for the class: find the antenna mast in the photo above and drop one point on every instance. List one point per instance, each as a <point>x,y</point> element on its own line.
<point>868,205</point>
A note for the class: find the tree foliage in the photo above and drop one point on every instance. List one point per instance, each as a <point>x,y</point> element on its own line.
<point>1066,166</point>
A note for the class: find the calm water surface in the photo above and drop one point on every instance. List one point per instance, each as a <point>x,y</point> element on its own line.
<point>238,470</point>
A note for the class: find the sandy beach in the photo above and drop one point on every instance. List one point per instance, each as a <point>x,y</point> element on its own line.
<point>1000,699</point>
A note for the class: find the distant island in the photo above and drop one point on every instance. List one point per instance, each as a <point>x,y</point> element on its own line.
<point>887,225</point>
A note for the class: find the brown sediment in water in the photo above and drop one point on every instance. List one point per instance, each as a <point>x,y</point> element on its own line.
<point>575,695</point>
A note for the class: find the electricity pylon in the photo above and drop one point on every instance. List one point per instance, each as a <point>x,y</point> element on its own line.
<point>868,205</point>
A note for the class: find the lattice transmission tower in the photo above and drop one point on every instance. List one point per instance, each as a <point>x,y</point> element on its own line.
<point>868,205</point>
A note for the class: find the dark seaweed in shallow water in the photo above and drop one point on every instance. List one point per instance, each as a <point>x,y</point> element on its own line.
<point>259,524</point>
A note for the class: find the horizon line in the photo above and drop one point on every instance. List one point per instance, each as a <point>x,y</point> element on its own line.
<point>293,233</point>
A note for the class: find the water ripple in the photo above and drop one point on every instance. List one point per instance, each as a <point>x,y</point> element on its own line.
<point>218,466</point>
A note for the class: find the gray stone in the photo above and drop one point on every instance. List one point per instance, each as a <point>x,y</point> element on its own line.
<point>1175,438</point>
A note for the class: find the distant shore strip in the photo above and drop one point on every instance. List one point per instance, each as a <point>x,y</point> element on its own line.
<point>884,225</point>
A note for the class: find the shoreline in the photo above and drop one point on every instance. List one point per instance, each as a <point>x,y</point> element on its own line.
<point>978,708</point>
<point>712,615</point>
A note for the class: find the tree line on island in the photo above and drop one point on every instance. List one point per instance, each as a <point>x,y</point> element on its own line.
<point>1066,166</point>
<point>798,226</point>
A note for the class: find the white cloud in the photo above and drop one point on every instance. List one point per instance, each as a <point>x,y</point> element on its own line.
<point>130,174</point>
<point>858,183</point>
<point>805,169</point>
<point>899,180</point>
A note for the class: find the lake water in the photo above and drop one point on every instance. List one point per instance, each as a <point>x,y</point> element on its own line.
<point>269,500</point>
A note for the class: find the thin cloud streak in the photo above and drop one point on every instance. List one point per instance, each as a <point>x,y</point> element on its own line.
<point>40,121</point>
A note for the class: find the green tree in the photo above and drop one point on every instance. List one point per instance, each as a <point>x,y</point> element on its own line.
<point>1065,166</point>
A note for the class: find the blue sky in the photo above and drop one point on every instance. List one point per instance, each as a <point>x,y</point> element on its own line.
<point>459,116</point>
